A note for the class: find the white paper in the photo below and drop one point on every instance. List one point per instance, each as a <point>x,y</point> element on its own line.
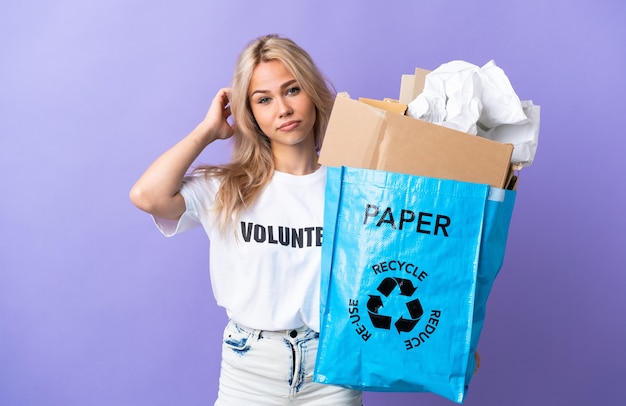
<point>479,101</point>
<point>524,135</point>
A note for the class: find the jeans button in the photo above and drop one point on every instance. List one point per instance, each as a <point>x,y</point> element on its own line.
<point>293,333</point>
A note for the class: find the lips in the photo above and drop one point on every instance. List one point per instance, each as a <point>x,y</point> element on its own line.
<point>289,125</point>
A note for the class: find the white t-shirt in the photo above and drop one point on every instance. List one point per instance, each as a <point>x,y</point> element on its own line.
<point>268,277</point>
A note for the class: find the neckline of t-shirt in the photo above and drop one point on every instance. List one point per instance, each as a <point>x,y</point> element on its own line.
<point>310,177</point>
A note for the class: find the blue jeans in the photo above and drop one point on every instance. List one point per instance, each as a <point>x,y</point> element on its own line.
<point>274,368</point>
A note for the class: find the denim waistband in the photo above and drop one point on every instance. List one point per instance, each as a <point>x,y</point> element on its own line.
<point>300,332</point>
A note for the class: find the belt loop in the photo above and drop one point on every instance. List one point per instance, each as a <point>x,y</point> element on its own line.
<point>252,331</point>
<point>257,334</point>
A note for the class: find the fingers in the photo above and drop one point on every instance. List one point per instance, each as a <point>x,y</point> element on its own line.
<point>224,96</point>
<point>477,359</point>
<point>222,99</point>
<point>217,118</point>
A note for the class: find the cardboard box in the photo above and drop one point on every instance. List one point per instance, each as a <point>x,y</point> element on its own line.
<point>412,85</point>
<point>364,136</point>
<point>387,104</point>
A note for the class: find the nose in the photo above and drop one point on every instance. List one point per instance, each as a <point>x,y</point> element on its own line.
<point>284,108</point>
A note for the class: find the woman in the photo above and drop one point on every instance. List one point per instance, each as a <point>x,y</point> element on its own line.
<point>263,213</point>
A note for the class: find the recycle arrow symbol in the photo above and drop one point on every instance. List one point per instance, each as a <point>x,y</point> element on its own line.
<point>375,302</point>
<point>378,320</point>
<point>405,285</point>
<point>416,311</point>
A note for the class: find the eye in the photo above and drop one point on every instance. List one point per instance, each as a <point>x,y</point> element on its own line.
<point>263,100</point>
<point>293,90</point>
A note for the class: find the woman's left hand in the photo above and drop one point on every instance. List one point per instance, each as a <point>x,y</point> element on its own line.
<point>477,358</point>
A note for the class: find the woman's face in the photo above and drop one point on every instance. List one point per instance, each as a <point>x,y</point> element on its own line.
<point>283,111</point>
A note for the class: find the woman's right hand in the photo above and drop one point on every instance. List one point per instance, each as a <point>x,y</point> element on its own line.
<point>157,190</point>
<point>216,119</point>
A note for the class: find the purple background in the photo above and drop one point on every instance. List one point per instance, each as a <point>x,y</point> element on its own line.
<point>97,308</point>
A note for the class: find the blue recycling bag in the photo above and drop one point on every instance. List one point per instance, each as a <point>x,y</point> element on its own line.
<point>407,265</point>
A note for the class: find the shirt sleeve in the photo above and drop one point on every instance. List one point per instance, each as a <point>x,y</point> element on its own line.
<point>198,192</point>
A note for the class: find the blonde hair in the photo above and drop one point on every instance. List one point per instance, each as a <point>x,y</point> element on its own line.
<point>252,166</point>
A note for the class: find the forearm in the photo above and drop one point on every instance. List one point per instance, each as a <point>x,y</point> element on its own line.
<point>157,190</point>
